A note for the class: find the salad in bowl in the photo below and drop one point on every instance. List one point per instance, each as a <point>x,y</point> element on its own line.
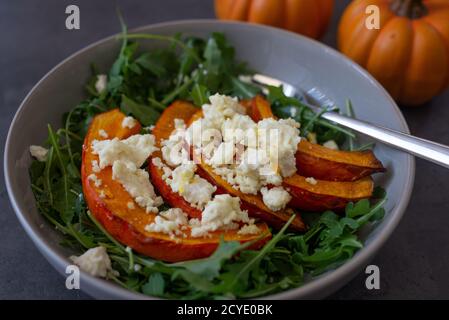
<point>177,179</point>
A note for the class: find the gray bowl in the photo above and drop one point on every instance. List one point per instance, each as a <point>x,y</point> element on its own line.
<point>288,56</point>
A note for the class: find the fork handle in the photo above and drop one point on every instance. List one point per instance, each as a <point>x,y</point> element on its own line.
<point>422,148</point>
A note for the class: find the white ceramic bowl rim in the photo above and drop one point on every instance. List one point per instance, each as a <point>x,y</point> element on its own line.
<point>349,269</point>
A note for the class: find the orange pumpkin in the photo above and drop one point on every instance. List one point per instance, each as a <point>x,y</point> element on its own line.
<point>308,17</point>
<point>408,53</point>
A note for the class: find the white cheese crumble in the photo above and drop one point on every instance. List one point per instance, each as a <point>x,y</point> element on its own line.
<point>135,149</point>
<point>137,183</point>
<point>174,151</point>
<point>222,213</point>
<point>183,180</point>
<point>103,133</point>
<point>137,267</point>
<point>275,198</point>
<point>101,83</point>
<point>169,222</point>
<point>221,107</point>
<point>38,152</point>
<point>94,261</point>
<point>249,229</point>
<point>97,182</point>
<point>311,180</point>
<point>331,144</point>
<point>129,122</point>
<point>95,166</point>
<point>157,162</point>
<point>248,155</point>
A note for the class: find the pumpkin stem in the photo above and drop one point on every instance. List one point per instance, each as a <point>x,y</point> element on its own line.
<point>413,9</point>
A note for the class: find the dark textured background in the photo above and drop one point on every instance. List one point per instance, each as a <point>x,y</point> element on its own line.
<point>414,262</point>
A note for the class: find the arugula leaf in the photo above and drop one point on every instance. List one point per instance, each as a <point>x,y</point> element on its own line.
<point>155,285</point>
<point>151,62</point>
<point>244,90</point>
<point>199,94</point>
<point>145,114</point>
<point>209,268</point>
<point>212,56</point>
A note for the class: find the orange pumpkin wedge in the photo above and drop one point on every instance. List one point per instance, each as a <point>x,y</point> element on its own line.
<point>326,195</point>
<point>313,160</point>
<point>162,130</point>
<point>109,204</point>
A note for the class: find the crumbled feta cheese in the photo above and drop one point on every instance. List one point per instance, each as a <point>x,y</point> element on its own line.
<point>224,154</point>
<point>149,128</point>
<point>174,149</point>
<point>180,124</point>
<point>222,213</point>
<point>102,194</point>
<point>131,205</point>
<point>279,139</point>
<point>95,166</point>
<point>135,149</point>
<point>275,198</point>
<point>240,129</point>
<point>137,267</point>
<point>331,144</point>
<point>194,189</point>
<point>311,180</point>
<point>137,183</point>
<point>220,108</point>
<point>167,173</point>
<point>174,153</point>
<point>38,152</point>
<point>129,122</point>
<point>97,182</point>
<point>103,133</point>
<point>94,261</point>
<point>246,154</point>
<point>168,222</point>
<point>182,176</point>
<point>249,229</point>
<point>293,111</point>
<point>157,162</point>
<point>101,83</point>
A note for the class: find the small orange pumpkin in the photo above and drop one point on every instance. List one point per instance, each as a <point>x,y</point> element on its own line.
<point>408,53</point>
<point>308,17</point>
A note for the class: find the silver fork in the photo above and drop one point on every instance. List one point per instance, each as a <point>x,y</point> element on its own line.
<point>422,148</point>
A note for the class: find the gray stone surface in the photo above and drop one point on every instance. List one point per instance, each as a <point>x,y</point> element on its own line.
<point>413,263</point>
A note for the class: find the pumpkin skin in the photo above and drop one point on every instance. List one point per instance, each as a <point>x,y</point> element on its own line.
<point>306,17</point>
<point>409,56</point>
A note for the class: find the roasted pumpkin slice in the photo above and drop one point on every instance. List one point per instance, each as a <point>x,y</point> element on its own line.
<point>321,195</point>
<point>162,130</point>
<point>313,160</point>
<point>109,203</point>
